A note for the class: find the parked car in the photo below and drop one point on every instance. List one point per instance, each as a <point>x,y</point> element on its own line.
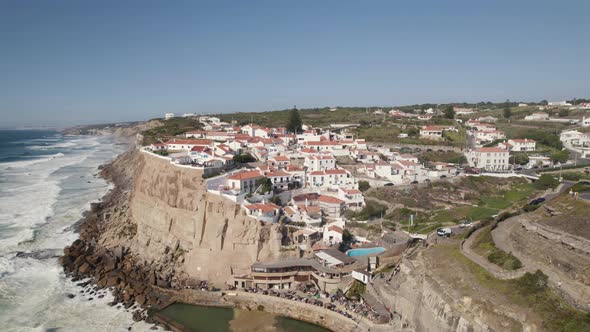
<point>537,201</point>
<point>388,184</point>
<point>466,223</point>
<point>443,176</point>
<point>427,181</point>
<point>444,232</point>
<point>414,182</point>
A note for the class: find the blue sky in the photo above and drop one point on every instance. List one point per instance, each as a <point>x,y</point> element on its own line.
<point>70,62</point>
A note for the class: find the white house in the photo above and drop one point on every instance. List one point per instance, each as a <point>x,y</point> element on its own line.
<point>319,162</point>
<point>431,132</point>
<point>522,144</point>
<point>333,234</point>
<point>490,135</point>
<point>266,212</point>
<point>539,161</point>
<point>187,144</point>
<point>168,116</point>
<point>331,178</point>
<point>280,179</point>
<point>574,137</point>
<point>490,159</point>
<point>244,181</point>
<point>353,198</point>
<point>537,117</point>
<point>585,122</point>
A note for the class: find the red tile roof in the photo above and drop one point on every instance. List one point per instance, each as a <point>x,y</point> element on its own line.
<point>245,175</point>
<point>330,199</point>
<point>268,207</point>
<point>190,141</point>
<point>491,149</point>
<point>336,229</point>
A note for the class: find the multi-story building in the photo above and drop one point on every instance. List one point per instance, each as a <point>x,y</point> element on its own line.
<point>331,178</point>
<point>245,181</point>
<point>319,163</point>
<point>522,145</point>
<point>492,159</point>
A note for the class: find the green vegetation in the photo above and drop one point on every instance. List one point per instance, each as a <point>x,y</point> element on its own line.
<point>489,204</point>
<point>548,136</point>
<point>265,185</point>
<point>580,188</point>
<point>170,128</point>
<point>295,123</point>
<point>520,158</point>
<point>243,158</point>
<point>560,156</point>
<point>485,246</point>
<point>356,290</point>
<point>371,210</point>
<point>444,157</point>
<point>364,185</point>
<point>546,181</point>
<point>529,291</point>
<point>161,152</point>
<point>575,176</point>
<point>449,112</point>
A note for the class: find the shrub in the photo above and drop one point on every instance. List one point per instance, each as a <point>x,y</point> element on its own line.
<point>364,185</point>
<point>531,283</point>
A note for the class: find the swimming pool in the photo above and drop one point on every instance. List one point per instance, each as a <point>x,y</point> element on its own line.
<point>364,251</point>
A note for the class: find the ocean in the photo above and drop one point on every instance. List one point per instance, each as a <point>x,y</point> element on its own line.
<point>47,181</point>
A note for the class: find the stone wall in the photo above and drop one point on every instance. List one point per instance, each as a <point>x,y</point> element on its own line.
<point>251,301</point>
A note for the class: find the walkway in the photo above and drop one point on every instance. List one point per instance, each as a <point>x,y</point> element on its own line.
<point>574,292</point>
<point>495,270</point>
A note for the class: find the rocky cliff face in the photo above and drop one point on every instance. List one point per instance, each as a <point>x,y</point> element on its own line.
<point>170,219</point>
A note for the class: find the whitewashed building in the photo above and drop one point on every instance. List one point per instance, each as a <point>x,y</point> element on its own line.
<point>492,159</point>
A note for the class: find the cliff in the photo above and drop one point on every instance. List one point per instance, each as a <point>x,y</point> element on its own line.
<point>177,221</point>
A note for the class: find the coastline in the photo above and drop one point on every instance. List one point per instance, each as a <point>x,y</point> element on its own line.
<point>111,266</point>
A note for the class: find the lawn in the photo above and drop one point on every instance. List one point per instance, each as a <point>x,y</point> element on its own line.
<point>456,215</point>
<point>489,205</point>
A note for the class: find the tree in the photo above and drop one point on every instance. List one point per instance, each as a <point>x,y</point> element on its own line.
<point>521,158</point>
<point>266,185</point>
<point>243,158</point>
<point>364,185</point>
<point>563,113</point>
<point>413,132</point>
<point>546,181</point>
<point>561,156</point>
<point>449,112</point>
<point>507,113</point>
<point>294,125</point>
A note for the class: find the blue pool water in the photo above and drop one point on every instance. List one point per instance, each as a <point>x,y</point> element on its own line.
<point>364,251</point>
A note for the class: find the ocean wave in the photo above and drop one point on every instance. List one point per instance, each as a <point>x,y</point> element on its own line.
<point>30,162</point>
<point>52,146</point>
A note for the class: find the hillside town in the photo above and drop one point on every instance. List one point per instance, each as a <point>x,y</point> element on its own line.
<point>315,180</point>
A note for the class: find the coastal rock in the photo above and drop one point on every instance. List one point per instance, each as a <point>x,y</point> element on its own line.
<point>85,268</point>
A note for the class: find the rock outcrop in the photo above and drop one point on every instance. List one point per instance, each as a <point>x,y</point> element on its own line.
<point>207,236</point>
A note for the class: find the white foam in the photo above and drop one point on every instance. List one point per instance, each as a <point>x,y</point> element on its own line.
<point>45,198</point>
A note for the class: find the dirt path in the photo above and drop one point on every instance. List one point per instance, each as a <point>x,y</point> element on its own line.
<point>572,291</point>
<point>495,270</point>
